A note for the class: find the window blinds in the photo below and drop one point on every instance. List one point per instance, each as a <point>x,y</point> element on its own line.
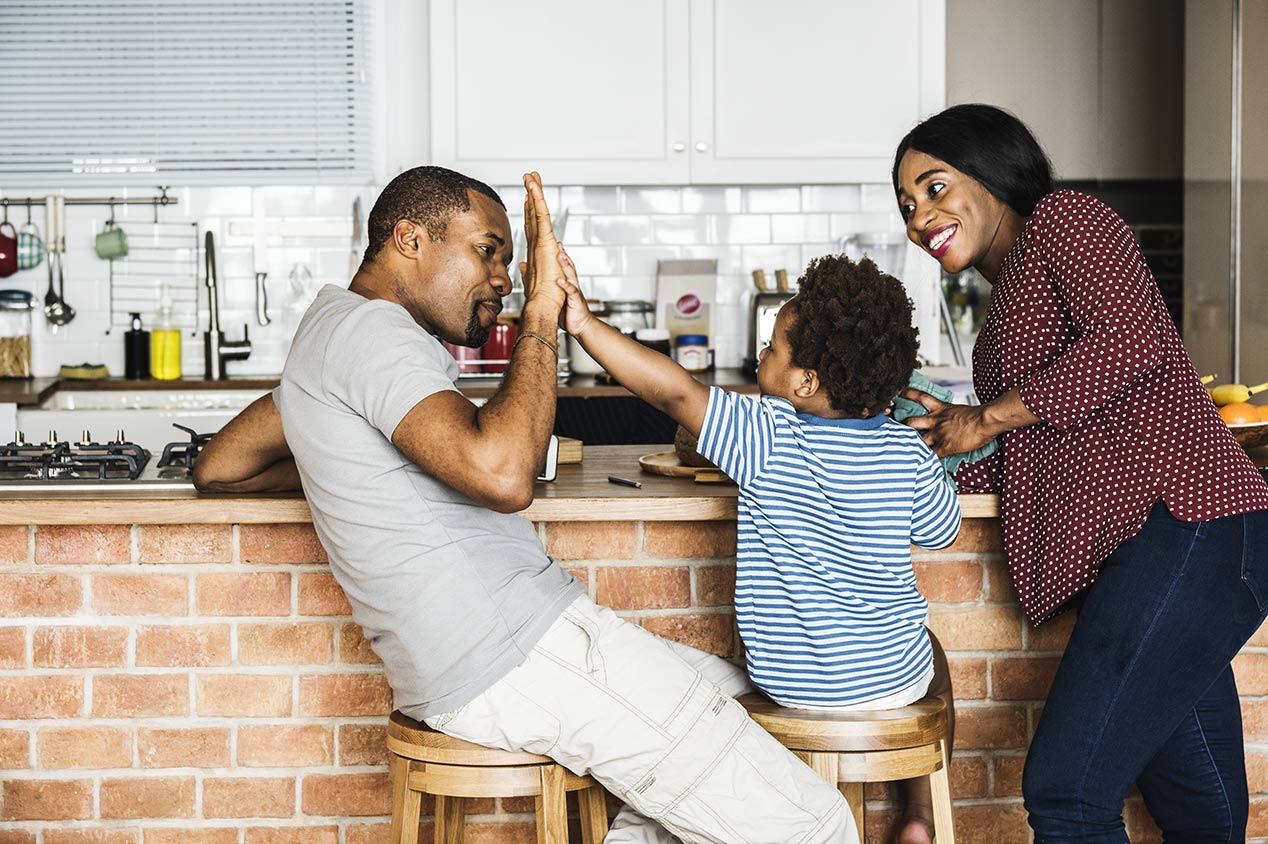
<point>185,92</point>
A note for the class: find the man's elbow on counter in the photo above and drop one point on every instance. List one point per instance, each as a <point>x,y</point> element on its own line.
<point>511,496</point>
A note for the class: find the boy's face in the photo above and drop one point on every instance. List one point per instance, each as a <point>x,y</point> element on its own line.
<point>777,375</point>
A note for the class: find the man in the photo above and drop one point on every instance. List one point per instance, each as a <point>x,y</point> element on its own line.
<point>413,491</point>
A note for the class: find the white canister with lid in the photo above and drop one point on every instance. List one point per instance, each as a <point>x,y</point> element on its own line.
<point>692,352</point>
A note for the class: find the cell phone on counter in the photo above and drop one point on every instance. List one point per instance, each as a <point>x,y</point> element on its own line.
<point>552,460</point>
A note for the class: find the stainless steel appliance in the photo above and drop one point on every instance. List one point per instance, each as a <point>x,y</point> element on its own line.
<point>763,309</point>
<point>1226,189</point>
<point>113,467</point>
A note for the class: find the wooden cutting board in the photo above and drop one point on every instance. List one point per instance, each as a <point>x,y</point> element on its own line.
<point>667,463</point>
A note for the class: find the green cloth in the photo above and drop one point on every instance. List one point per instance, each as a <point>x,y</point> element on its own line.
<point>904,408</point>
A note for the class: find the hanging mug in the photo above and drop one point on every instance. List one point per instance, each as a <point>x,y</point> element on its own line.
<point>8,249</point>
<point>30,247</point>
<point>112,243</point>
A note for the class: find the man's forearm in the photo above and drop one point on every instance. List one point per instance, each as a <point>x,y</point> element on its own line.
<point>282,476</point>
<point>522,411</point>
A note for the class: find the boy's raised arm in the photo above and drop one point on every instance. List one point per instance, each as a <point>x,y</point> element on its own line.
<point>650,375</point>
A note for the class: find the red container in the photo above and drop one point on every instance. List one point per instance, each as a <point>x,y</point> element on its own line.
<point>467,357</point>
<point>502,337</point>
<point>8,249</point>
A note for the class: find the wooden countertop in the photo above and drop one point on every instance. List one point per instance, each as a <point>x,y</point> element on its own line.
<point>30,391</point>
<point>26,390</point>
<point>580,493</point>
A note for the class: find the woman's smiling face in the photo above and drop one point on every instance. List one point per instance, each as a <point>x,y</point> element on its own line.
<point>953,217</point>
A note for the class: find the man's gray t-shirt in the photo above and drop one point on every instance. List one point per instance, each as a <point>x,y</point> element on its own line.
<point>451,595</point>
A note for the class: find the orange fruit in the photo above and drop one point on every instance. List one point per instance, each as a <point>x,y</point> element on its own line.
<point>1239,412</point>
<point>1263,412</point>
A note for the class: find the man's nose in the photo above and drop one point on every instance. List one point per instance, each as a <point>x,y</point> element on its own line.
<point>502,282</point>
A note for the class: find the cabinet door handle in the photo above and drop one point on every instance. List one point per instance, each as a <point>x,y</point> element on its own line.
<point>701,146</point>
<point>679,147</point>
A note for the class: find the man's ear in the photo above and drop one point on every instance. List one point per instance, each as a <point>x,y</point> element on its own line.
<point>809,384</point>
<point>409,238</point>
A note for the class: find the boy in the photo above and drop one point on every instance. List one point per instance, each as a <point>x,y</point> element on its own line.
<point>832,491</point>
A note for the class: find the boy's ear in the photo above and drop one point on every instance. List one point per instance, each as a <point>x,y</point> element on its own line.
<point>809,384</point>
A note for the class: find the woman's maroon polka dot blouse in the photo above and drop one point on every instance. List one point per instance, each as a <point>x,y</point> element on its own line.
<point>1077,321</point>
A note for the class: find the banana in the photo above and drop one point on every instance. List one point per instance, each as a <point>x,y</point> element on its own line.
<point>1230,393</point>
<point>1207,379</point>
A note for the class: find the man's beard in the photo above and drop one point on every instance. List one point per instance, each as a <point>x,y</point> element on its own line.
<point>476,334</point>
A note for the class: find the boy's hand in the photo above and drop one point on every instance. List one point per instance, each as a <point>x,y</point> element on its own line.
<point>576,316</point>
<point>542,267</point>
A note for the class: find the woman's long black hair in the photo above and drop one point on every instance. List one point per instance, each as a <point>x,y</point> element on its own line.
<point>988,144</point>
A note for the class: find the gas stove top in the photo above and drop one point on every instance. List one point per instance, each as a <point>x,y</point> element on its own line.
<point>56,465</point>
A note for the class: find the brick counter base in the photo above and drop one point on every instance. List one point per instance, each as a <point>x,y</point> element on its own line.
<point>205,684</point>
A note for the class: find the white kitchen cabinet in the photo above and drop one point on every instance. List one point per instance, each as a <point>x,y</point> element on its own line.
<point>1098,81</point>
<point>682,91</point>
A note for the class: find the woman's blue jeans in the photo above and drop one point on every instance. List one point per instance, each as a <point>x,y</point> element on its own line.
<point>1145,694</point>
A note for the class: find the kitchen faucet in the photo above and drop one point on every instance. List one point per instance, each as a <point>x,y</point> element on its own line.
<point>216,349</point>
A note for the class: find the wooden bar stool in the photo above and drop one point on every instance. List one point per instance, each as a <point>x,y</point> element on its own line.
<point>425,761</point>
<point>849,749</point>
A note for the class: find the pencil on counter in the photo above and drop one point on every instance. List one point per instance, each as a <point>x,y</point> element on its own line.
<point>613,479</point>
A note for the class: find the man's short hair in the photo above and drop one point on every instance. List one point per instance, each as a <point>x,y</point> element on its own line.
<point>852,325</point>
<point>428,196</point>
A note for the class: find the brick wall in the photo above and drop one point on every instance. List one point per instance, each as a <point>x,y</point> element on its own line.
<point>204,684</point>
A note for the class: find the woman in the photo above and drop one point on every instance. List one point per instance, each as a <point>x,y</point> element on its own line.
<point>1122,492</point>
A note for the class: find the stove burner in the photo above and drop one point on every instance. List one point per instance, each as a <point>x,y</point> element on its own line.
<point>178,458</point>
<point>56,460</point>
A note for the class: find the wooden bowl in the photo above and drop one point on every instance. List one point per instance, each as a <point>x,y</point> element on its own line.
<point>1251,434</point>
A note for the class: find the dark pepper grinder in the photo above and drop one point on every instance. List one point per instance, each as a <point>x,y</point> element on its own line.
<point>136,351</point>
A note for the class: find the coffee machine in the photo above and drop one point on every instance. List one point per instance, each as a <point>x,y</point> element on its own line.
<point>762,311</point>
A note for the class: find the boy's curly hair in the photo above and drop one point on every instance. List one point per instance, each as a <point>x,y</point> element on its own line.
<point>852,325</point>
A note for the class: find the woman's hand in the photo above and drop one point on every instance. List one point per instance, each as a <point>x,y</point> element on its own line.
<point>576,316</point>
<point>957,428</point>
<point>948,428</point>
<point>542,267</point>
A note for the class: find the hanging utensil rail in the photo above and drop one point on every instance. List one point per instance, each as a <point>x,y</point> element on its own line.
<point>28,201</point>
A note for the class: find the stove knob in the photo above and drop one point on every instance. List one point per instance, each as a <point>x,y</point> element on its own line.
<point>86,441</point>
<point>52,438</point>
<point>19,438</point>
<point>118,437</point>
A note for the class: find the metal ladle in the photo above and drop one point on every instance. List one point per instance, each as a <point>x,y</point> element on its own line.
<point>55,308</point>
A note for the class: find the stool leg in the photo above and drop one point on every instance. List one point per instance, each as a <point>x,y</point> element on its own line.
<point>406,804</point>
<point>552,807</point>
<point>592,805</point>
<point>450,819</point>
<point>940,788</point>
<point>853,794</point>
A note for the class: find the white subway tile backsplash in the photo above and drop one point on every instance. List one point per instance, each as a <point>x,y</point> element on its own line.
<point>798,228</point>
<point>773,200</point>
<point>618,231</point>
<point>680,229</point>
<point>878,198</point>
<point>596,260</point>
<point>644,200</point>
<point>740,228</point>
<point>615,234</point>
<point>590,199</point>
<point>774,257</point>
<point>641,260</point>
<point>712,200</point>
<point>830,198</point>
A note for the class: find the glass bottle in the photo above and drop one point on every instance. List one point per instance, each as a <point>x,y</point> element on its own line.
<point>165,344</point>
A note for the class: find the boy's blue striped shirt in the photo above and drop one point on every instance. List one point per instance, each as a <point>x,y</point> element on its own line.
<point>825,596</point>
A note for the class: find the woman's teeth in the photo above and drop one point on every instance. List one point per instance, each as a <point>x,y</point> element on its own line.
<point>935,243</point>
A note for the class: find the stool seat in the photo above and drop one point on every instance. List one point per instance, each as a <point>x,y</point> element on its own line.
<point>415,740</point>
<point>849,748</point>
<point>922,722</point>
<point>425,761</point>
